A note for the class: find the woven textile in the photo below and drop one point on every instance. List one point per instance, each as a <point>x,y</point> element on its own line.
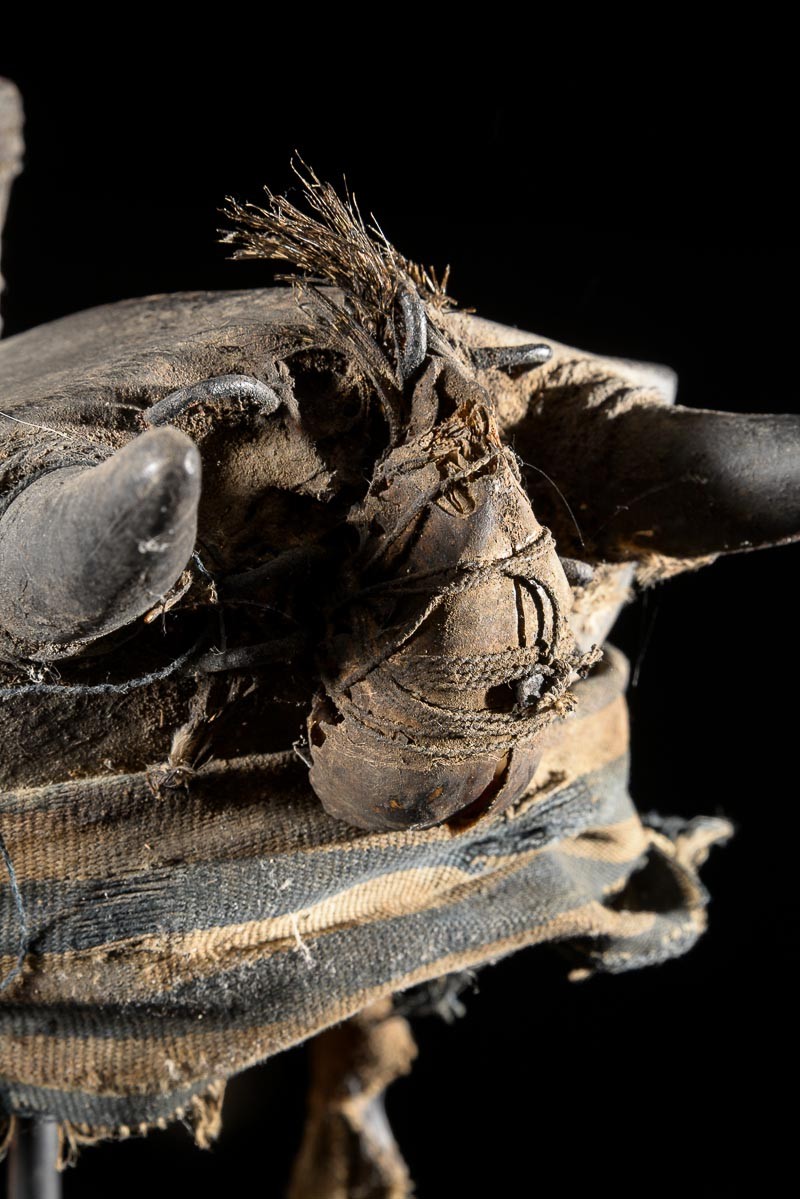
<point>176,935</point>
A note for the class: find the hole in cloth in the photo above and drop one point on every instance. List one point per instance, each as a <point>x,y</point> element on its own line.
<point>654,887</point>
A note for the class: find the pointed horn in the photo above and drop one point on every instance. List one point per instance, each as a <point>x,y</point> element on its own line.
<point>85,551</point>
<point>688,482</point>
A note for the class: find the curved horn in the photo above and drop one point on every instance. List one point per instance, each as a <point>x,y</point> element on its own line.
<point>85,551</point>
<point>660,478</point>
<point>688,482</point>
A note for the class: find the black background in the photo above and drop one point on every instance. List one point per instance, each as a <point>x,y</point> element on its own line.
<point>625,206</point>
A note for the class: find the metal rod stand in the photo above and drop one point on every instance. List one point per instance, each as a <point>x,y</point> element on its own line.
<point>32,1158</point>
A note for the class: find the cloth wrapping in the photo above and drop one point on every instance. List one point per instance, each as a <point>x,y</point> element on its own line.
<point>178,934</point>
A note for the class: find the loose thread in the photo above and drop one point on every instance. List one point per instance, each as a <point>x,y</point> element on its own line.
<point>16,895</point>
<point>47,429</point>
<point>559,493</point>
<point>123,688</point>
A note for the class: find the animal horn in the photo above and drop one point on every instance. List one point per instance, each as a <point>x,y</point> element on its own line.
<point>84,551</point>
<point>690,482</point>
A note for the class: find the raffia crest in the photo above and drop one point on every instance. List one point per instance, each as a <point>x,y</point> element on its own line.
<point>332,244</point>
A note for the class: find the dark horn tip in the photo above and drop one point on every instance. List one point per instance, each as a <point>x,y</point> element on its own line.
<point>750,471</point>
<point>162,469</point>
<point>690,483</point>
<point>83,552</point>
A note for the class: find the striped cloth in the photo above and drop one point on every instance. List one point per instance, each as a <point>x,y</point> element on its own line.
<point>176,935</point>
